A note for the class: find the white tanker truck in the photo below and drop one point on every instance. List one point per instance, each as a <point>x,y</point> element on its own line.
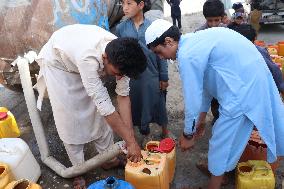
<point>27,24</point>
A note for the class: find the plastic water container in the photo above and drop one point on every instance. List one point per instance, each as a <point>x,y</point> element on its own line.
<point>5,175</point>
<point>255,174</point>
<point>16,153</point>
<point>22,184</point>
<point>111,183</point>
<point>281,48</point>
<point>150,173</point>
<point>272,49</point>
<point>256,149</point>
<point>260,43</point>
<point>165,146</point>
<point>8,124</point>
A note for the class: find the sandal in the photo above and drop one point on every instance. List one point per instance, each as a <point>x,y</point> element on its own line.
<point>118,162</point>
<point>79,183</point>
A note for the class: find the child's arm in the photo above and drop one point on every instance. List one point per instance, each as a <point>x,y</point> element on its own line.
<point>118,30</point>
<point>163,73</point>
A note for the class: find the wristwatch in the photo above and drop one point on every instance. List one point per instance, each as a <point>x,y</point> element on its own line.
<point>188,136</point>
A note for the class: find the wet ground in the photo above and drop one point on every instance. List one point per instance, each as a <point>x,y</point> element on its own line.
<point>187,175</point>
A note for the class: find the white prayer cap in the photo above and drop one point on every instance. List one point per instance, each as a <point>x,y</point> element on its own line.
<point>156,30</point>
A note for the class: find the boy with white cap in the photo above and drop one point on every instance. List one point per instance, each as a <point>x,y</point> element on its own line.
<point>210,66</point>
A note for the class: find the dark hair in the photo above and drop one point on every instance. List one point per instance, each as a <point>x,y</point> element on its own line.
<point>213,8</point>
<point>172,32</point>
<point>255,5</point>
<point>127,56</point>
<point>237,6</point>
<point>245,29</point>
<point>147,4</point>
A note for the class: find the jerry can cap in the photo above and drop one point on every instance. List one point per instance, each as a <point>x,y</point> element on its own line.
<point>3,115</point>
<point>167,145</point>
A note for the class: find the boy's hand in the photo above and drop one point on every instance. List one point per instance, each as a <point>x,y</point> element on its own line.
<point>164,85</point>
<point>186,144</point>
<point>200,130</point>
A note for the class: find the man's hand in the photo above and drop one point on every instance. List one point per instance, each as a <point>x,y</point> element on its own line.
<point>134,152</point>
<point>164,85</point>
<point>186,144</point>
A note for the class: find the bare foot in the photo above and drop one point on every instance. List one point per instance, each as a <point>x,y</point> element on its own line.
<point>202,165</point>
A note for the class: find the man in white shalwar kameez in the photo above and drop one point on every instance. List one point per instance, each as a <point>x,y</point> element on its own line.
<point>72,63</point>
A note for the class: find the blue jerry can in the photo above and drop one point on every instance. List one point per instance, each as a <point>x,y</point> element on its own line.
<point>111,183</point>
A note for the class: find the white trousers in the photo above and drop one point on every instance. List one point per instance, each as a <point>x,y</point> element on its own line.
<point>76,151</point>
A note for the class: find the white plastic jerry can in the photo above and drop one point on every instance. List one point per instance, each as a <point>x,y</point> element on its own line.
<point>17,154</point>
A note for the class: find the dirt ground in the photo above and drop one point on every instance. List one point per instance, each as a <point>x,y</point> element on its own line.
<point>187,175</point>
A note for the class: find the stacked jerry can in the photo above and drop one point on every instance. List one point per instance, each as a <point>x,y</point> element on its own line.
<point>22,184</point>
<point>157,168</point>
<point>7,180</point>
<point>256,149</point>
<point>16,159</point>
<point>276,52</point>
<point>16,153</point>
<point>281,48</point>
<point>5,175</point>
<point>8,124</point>
<point>254,174</point>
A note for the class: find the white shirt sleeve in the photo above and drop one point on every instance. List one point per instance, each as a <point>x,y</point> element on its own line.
<point>88,68</point>
<point>122,86</point>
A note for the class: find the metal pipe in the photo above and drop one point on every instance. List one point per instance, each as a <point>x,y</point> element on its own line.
<point>51,162</point>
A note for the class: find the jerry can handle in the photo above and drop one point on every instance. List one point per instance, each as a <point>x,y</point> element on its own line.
<point>261,168</point>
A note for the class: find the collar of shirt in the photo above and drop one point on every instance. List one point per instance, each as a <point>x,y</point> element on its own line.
<point>143,24</point>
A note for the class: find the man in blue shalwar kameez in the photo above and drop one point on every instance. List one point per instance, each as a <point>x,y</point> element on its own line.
<point>223,64</point>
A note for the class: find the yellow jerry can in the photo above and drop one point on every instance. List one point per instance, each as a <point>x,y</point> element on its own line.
<point>255,174</point>
<point>5,175</point>
<point>281,48</point>
<point>272,50</point>
<point>170,154</point>
<point>150,173</point>
<point>22,184</point>
<point>8,124</point>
